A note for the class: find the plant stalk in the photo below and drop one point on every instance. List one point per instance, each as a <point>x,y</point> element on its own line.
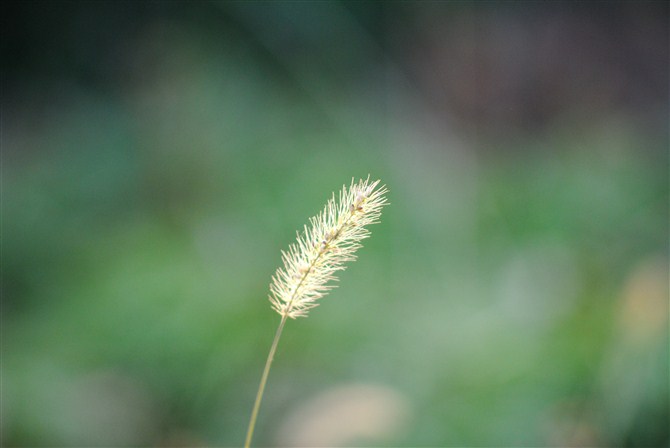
<point>264,379</point>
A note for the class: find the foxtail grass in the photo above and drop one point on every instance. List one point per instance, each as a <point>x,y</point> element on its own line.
<point>311,263</point>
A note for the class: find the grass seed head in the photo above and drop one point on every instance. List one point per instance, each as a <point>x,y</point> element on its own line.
<point>323,248</point>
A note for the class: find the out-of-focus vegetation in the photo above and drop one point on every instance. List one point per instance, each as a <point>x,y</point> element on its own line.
<point>157,156</point>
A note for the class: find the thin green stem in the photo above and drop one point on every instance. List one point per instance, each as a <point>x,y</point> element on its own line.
<point>261,386</point>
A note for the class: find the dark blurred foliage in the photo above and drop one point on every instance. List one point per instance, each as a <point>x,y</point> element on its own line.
<point>156,156</point>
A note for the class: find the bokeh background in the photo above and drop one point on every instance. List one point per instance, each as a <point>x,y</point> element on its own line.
<point>157,156</point>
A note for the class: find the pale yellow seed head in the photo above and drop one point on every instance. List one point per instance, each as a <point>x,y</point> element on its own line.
<point>321,250</point>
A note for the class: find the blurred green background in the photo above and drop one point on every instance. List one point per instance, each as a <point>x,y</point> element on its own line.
<point>157,156</point>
